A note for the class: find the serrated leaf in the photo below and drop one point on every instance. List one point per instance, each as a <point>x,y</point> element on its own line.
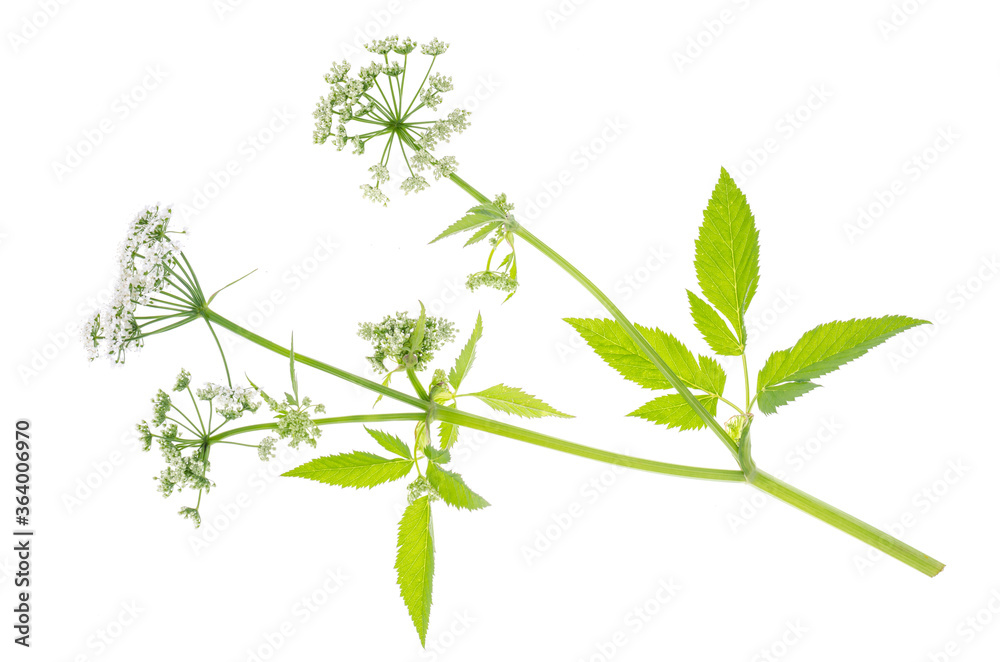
<point>390,442</point>
<point>672,411</point>
<point>829,346</point>
<point>726,254</point>
<point>466,357</point>
<point>612,344</point>
<point>448,433</point>
<point>357,469</point>
<point>713,328</point>
<point>482,233</point>
<point>437,456</point>
<point>473,218</point>
<point>415,562</point>
<point>772,397</point>
<point>512,400</point>
<point>453,490</point>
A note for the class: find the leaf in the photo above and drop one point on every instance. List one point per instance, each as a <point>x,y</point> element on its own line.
<point>357,469</point>
<point>672,411</point>
<point>417,336</point>
<point>482,233</point>
<point>453,490</point>
<point>713,328</point>
<point>512,400</point>
<point>390,442</point>
<point>612,344</point>
<point>726,254</point>
<point>829,346</point>
<point>478,215</point>
<point>772,397</point>
<point>436,456</point>
<point>291,361</point>
<point>465,358</point>
<point>415,562</point>
<point>449,434</point>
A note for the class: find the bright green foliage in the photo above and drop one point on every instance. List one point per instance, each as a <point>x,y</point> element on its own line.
<point>713,328</point>
<point>390,442</point>
<point>672,411</point>
<point>465,359</point>
<point>453,490</point>
<point>512,400</point>
<point>726,253</point>
<point>357,469</point>
<point>448,433</point>
<point>475,217</point>
<point>822,350</point>
<point>415,562</point>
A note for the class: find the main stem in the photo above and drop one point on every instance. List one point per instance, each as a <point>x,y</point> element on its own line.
<point>749,473</point>
<point>458,417</point>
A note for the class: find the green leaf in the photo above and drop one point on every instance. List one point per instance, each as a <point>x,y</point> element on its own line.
<point>672,411</point>
<point>713,328</point>
<point>512,400</point>
<point>415,562</point>
<point>436,456</point>
<point>829,346</point>
<point>478,215</point>
<point>468,354</point>
<point>772,397</point>
<point>448,433</point>
<point>453,490</point>
<point>390,442</point>
<point>612,344</point>
<point>726,254</point>
<point>291,362</point>
<point>357,469</point>
<point>482,233</point>
<point>417,336</point>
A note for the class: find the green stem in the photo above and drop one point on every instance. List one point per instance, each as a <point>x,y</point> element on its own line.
<point>360,418</point>
<point>313,363</point>
<point>465,419</point>
<point>851,525</point>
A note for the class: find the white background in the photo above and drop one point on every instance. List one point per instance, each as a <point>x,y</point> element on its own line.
<point>837,102</point>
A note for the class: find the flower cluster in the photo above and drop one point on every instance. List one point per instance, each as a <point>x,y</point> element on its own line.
<point>148,264</point>
<point>503,277</point>
<point>294,423</point>
<point>185,440</point>
<point>230,402</point>
<point>390,339</point>
<point>419,488</point>
<point>373,104</point>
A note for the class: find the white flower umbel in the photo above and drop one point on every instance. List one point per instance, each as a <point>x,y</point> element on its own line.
<point>377,103</point>
<point>390,339</point>
<point>152,274</point>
